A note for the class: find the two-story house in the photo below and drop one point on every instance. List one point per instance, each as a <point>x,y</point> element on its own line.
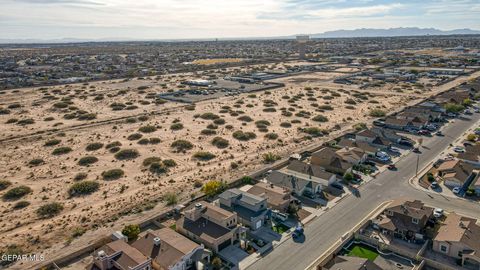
<point>251,209</point>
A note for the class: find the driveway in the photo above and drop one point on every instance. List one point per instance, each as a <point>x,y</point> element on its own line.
<point>233,254</point>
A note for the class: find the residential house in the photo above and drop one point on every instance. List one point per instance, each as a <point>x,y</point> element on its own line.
<point>119,255</point>
<point>459,238</point>
<point>405,219</point>
<point>455,173</point>
<point>350,263</point>
<point>278,198</point>
<point>370,137</point>
<point>388,134</point>
<point>471,155</point>
<point>352,155</point>
<point>170,250</point>
<point>331,161</point>
<point>368,148</point>
<point>205,223</point>
<point>396,123</point>
<point>251,209</point>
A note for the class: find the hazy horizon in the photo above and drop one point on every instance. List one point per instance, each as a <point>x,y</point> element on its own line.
<point>194,19</point>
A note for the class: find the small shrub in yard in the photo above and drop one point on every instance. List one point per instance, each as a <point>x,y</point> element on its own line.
<point>170,198</point>
<point>62,150</point>
<point>134,137</point>
<point>147,129</point>
<point>49,210</point>
<point>127,154</point>
<point>320,118</point>
<point>377,113</point>
<point>36,162</point>
<point>271,136</point>
<point>182,145</point>
<point>52,142</point>
<point>17,193</point>
<point>203,155</point>
<point>94,146</point>
<point>169,163</point>
<point>270,157</point>
<point>148,161</point>
<point>220,142</point>
<point>158,168</point>
<point>4,184</point>
<point>243,136</point>
<point>83,188</point>
<point>113,174</point>
<point>131,231</point>
<point>176,126</point>
<point>88,160</point>
<point>20,205</point>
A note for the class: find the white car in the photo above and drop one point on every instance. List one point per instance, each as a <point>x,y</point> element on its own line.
<point>394,150</point>
<point>459,149</point>
<point>456,190</point>
<point>438,212</point>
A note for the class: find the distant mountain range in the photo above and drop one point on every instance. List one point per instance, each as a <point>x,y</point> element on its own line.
<point>393,32</point>
<point>362,32</point>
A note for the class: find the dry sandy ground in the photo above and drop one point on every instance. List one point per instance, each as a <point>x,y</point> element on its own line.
<point>111,206</point>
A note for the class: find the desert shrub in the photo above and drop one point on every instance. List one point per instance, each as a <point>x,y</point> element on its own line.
<point>320,118</point>
<point>203,155</point>
<point>113,144</point>
<point>49,210</point>
<point>209,116</point>
<point>88,160</point>
<point>190,107</point>
<point>11,121</point>
<point>20,205</point>
<point>134,137</point>
<point>245,118</point>
<point>83,188</point>
<point>271,136</point>
<point>377,113</point>
<point>4,184</point>
<point>4,111</point>
<point>208,132</point>
<point>169,163</point>
<point>24,122</point>
<point>158,168</point>
<point>80,176</point>
<point>220,142</point>
<point>60,105</point>
<point>325,107</point>
<point>212,126</point>
<point>219,121</point>
<point>36,162</point>
<point>176,126</point>
<point>270,109</point>
<point>113,174</point>
<point>62,150</point>
<point>127,154</point>
<point>131,120</point>
<point>143,118</point>
<point>285,125</point>
<point>116,106</point>
<point>48,119</point>
<point>170,198</point>
<point>262,123</point>
<point>148,161</point>
<point>270,157</point>
<point>154,140</point>
<point>94,146</point>
<point>17,193</point>
<point>350,101</point>
<point>182,145</point>
<point>360,126</point>
<point>314,131</point>
<point>243,136</point>
<point>114,149</point>
<point>143,141</point>
<point>453,108</point>
<point>147,129</point>
<point>131,107</point>
<point>87,116</point>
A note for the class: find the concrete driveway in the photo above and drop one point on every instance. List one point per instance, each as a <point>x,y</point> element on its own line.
<point>233,254</point>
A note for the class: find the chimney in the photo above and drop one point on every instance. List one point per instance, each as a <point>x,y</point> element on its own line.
<point>156,241</point>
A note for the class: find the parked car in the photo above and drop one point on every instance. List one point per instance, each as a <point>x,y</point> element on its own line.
<point>468,112</point>
<point>378,123</point>
<point>394,150</point>
<point>416,150</point>
<point>456,190</point>
<point>424,132</point>
<point>439,133</point>
<point>298,231</point>
<point>438,212</point>
<point>392,167</point>
<point>434,185</point>
<point>459,149</point>
<point>405,142</point>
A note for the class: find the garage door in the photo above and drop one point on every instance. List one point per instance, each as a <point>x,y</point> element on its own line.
<point>224,244</point>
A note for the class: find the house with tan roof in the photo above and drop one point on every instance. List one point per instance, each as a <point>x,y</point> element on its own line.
<point>459,238</point>
<point>405,219</point>
<point>331,161</point>
<point>118,255</point>
<point>455,173</point>
<point>278,198</point>
<point>210,225</point>
<point>170,250</point>
<point>471,155</point>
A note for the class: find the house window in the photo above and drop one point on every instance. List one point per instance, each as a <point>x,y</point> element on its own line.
<point>443,249</point>
<point>414,220</point>
<point>389,213</point>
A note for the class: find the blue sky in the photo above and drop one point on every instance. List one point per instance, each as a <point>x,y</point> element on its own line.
<point>177,19</point>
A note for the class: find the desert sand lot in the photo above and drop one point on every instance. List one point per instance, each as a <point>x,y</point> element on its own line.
<point>246,127</point>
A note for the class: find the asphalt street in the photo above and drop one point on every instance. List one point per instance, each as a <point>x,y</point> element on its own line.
<point>325,230</point>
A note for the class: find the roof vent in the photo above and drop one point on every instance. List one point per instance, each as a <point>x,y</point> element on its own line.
<point>101,254</point>
<point>156,241</point>
<point>198,205</point>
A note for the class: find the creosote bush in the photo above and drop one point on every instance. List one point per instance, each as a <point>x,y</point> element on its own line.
<point>94,146</point>
<point>49,210</point>
<point>62,150</point>
<point>203,155</point>
<point>127,154</point>
<point>220,142</point>
<point>83,188</point>
<point>4,184</point>
<point>17,193</point>
<point>52,142</point>
<point>88,160</point>
<point>182,145</point>
<point>147,129</point>
<point>243,136</point>
<point>113,174</point>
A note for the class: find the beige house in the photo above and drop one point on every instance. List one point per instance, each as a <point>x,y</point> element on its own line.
<point>208,224</point>
<point>459,238</point>
<point>455,173</point>
<point>278,198</point>
<point>119,255</point>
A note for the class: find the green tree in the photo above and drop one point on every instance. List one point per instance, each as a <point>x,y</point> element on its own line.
<point>348,176</point>
<point>217,263</point>
<point>131,231</point>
